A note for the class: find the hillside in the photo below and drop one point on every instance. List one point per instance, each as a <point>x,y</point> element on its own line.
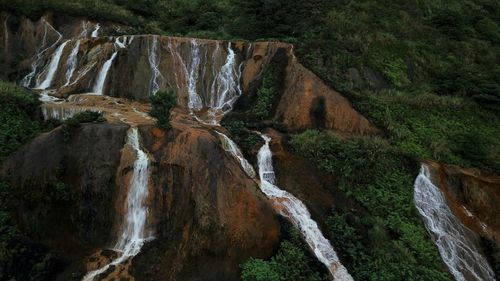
<point>249,140</point>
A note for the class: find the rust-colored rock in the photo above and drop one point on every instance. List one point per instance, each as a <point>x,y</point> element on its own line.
<point>472,195</point>
<point>307,102</point>
<point>208,215</point>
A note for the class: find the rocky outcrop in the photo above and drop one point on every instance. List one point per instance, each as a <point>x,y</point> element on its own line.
<point>307,102</point>
<point>142,65</point>
<point>473,197</point>
<point>22,38</point>
<point>64,187</point>
<point>208,214</point>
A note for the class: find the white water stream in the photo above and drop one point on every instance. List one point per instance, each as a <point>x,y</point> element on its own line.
<point>231,147</point>
<point>134,233</point>
<point>293,209</point>
<point>195,101</point>
<point>457,244</point>
<point>226,86</point>
<point>103,74</point>
<point>95,33</point>
<point>72,62</point>
<point>154,62</point>
<point>26,81</point>
<point>52,67</point>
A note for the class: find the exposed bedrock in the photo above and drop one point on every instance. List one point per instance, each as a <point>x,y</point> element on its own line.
<point>472,195</point>
<point>64,187</point>
<point>208,215</point>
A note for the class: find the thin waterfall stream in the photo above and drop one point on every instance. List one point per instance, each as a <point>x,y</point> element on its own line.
<point>289,206</point>
<point>457,245</point>
<point>52,67</point>
<point>103,74</point>
<point>72,62</point>
<point>134,233</point>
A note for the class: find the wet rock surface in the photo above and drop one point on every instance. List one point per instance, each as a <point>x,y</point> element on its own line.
<point>65,186</point>
<point>473,197</point>
<point>208,214</point>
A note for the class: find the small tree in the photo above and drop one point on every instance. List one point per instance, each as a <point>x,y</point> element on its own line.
<point>161,105</point>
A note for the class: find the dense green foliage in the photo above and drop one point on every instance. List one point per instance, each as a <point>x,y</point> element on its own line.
<point>449,129</point>
<point>74,122</point>
<point>19,117</point>
<point>161,105</point>
<point>291,262</point>
<point>20,259</point>
<point>382,236</point>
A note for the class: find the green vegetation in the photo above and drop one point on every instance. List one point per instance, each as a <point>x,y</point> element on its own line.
<point>449,129</point>
<point>74,122</point>
<point>20,259</point>
<point>291,262</point>
<point>19,117</point>
<point>381,237</point>
<point>161,105</point>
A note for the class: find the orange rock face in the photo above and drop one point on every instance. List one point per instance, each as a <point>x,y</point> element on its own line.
<point>207,214</point>
<point>473,196</point>
<point>308,103</point>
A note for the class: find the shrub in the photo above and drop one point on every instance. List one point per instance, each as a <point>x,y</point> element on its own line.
<point>74,122</point>
<point>293,261</point>
<point>19,117</point>
<point>381,236</point>
<point>161,105</point>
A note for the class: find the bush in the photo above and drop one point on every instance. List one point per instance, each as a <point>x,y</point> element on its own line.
<point>19,117</point>
<point>74,122</point>
<point>161,105</point>
<point>381,236</point>
<point>293,261</point>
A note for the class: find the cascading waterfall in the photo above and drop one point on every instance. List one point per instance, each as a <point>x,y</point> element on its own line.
<point>293,209</point>
<point>195,102</point>
<point>103,74</point>
<point>457,244</point>
<point>52,67</point>
<point>225,88</point>
<point>26,81</point>
<point>85,29</point>
<point>62,113</point>
<point>230,146</point>
<point>134,233</point>
<point>157,78</point>
<point>72,62</point>
<point>95,33</point>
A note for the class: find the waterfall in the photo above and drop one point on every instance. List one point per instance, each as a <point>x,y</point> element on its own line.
<point>154,62</point>
<point>195,101</point>
<point>52,67</point>
<point>26,81</point>
<point>72,62</point>
<point>293,209</point>
<point>134,233</point>
<point>95,33</point>
<point>225,88</point>
<point>85,29</point>
<point>231,147</point>
<point>121,42</point>
<point>457,244</point>
<point>62,113</point>
<point>101,76</point>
